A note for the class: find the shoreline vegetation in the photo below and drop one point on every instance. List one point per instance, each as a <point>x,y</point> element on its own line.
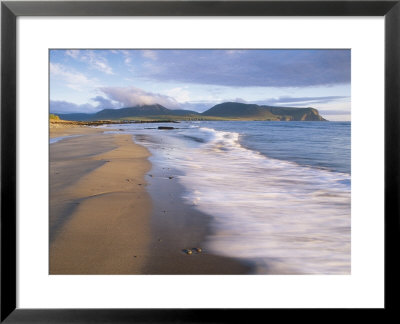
<point>73,124</point>
<point>103,219</point>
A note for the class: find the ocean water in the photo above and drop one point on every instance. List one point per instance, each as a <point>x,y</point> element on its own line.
<point>278,193</point>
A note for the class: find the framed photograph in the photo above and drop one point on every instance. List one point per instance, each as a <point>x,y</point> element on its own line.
<point>192,161</point>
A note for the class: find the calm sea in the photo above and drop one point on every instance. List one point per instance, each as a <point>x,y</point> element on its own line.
<point>278,192</point>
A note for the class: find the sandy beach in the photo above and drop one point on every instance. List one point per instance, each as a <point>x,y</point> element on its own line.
<point>103,219</point>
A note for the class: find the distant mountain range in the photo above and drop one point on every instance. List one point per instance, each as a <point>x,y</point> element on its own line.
<point>223,111</point>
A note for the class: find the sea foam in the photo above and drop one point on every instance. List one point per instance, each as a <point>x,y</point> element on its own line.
<point>283,217</point>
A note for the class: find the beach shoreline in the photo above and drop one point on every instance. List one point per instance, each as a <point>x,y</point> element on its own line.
<point>176,228</point>
<point>108,217</point>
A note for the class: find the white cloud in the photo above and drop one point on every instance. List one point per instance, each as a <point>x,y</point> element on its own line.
<point>132,96</point>
<point>127,59</point>
<point>97,62</point>
<point>152,55</point>
<point>233,52</point>
<point>75,80</point>
<point>65,107</point>
<point>111,97</point>
<point>73,53</point>
<point>179,94</point>
<point>94,59</point>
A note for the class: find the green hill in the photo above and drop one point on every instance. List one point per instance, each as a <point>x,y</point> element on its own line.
<point>223,111</point>
<point>130,113</point>
<point>235,110</point>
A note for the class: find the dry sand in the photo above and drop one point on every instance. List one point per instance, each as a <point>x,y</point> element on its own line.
<point>102,218</point>
<point>98,204</point>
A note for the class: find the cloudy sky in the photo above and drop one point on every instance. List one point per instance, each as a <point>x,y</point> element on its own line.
<point>91,80</point>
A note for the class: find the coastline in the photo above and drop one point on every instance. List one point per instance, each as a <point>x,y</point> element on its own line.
<point>103,220</point>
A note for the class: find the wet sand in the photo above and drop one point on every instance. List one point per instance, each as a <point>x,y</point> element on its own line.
<point>176,227</point>
<point>104,221</point>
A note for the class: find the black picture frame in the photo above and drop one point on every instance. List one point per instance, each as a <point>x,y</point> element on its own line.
<point>10,10</point>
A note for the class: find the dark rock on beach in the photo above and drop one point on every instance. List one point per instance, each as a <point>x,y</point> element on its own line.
<point>165,127</point>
